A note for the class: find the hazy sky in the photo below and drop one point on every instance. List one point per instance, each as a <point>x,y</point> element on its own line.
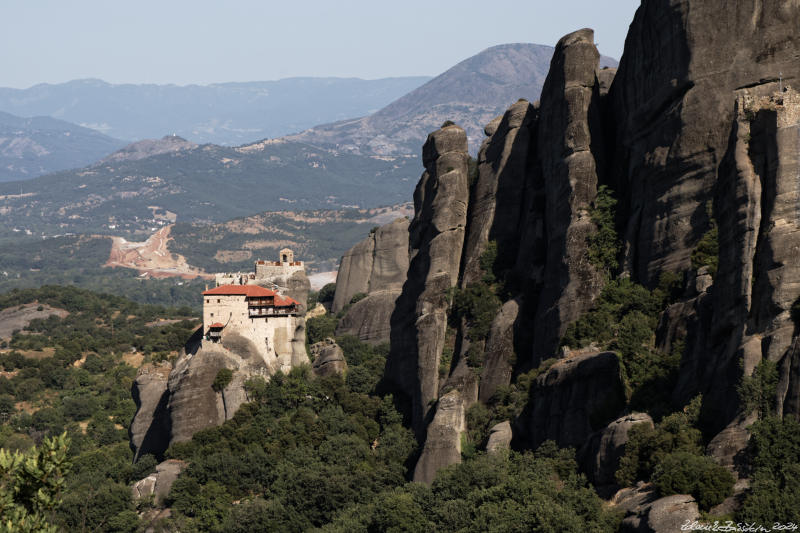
<point>204,41</point>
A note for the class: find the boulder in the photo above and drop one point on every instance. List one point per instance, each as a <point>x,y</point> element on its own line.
<point>499,437</point>
<point>328,358</point>
<point>664,515</point>
<point>601,454</point>
<point>158,484</point>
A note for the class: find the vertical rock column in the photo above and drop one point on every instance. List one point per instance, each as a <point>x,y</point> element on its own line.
<point>436,237</point>
<point>495,214</point>
<point>758,207</point>
<point>570,156</point>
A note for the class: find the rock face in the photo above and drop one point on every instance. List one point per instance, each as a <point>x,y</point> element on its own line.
<point>193,403</point>
<point>376,267</point>
<point>499,437</point>
<point>495,202</point>
<point>176,402</point>
<point>571,157</point>
<point>662,516</point>
<point>158,484</point>
<point>436,236</point>
<point>443,443</point>
<point>328,358</point>
<point>499,351</point>
<point>378,263</point>
<point>674,103</point>
<point>149,430</point>
<point>604,450</point>
<point>759,232</point>
<point>572,399</point>
<point>369,319</point>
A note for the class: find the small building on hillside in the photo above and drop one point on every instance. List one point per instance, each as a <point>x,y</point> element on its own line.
<point>284,267</point>
<point>243,313</point>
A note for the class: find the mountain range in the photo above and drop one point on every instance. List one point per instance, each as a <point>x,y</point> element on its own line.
<point>361,163</point>
<point>471,94</point>
<point>222,113</point>
<point>30,147</point>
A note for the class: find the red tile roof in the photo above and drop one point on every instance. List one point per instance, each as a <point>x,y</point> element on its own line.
<point>239,290</point>
<point>217,325</point>
<point>285,301</point>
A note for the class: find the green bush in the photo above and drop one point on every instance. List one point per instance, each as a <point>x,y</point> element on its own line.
<point>357,297</point>
<point>773,454</point>
<point>647,447</point>
<point>604,245</point>
<point>757,392</point>
<point>31,485</point>
<point>326,293</point>
<point>706,253</point>
<point>222,379</point>
<point>320,327</point>
<point>687,473</point>
<point>478,305</point>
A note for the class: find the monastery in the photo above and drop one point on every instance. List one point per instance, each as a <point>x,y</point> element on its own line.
<point>240,307</point>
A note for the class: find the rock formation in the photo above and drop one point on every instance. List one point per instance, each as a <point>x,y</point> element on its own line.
<point>602,452</point>
<point>149,430</point>
<point>570,151</point>
<point>499,437</point>
<point>572,399</point>
<point>378,263</point>
<point>443,440</point>
<point>375,267</point>
<point>158,484</point>
<point>674,103</point>
<point>328,358</point>
<point>436,236</point>
<point>662,516</point>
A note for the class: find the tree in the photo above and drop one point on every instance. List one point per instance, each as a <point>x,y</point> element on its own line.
<point>31,485</point>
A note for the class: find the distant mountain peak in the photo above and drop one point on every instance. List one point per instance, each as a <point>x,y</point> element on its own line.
<point>471,94</point>
<point>150,147</point>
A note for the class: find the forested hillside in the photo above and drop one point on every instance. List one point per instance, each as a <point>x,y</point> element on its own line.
<point>73,375</point>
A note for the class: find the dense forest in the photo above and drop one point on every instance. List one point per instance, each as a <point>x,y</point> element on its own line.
<point>72,377</point>
<point>333,454</point>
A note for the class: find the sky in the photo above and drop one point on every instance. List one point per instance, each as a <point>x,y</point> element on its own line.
<point>204,41</point>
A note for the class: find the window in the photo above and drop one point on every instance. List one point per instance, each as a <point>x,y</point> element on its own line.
<point>208,301</point>
<point>212,314</point>
<point>217,300</point>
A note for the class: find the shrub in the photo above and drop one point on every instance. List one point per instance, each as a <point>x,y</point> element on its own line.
<point>604,244</point>
<point>706,253</point>
<point>478,305</point>
<point>357,297</point>
<point>31,484</point>
<point>687,473</point>
<point>757,392</point>
<point>326,293</point>
<point>774,456</point>
<point>320,327</point>
<point>647,447</point>
<point>222,379</point>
